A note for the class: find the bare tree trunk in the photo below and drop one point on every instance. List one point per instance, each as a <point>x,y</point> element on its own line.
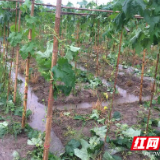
<point>50,99</point>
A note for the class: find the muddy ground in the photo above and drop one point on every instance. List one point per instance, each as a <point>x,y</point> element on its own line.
<point>10,142</point>
<point>67,128</point>
<point>41,88</point>
<point>128,82</point>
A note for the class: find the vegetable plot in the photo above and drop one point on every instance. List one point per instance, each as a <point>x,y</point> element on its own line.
<point>90,66</point>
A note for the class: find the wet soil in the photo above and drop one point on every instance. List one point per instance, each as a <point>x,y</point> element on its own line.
<point>41,89</point>
<point>127,81</point>
<point>9,144</point>
<point>132,85</point>
<point>67,128</point>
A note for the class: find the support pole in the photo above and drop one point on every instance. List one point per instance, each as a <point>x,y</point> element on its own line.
<point>11,63</point>
<point>142,74</point>
<point>115,82</point>
<point>17,59</point>
<point>27,75</point>
<point>50,99</point>
<point>152,92</point>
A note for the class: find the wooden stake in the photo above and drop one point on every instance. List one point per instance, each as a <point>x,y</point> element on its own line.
<point>17,58</point>
<point>4,43</point>
<point>77,38</point>
<point>142,74</point>
<point>134,53</point>
<point>97,50</point>
<point>115,82</point>
<point>9,79</point>
<point>27,76</point>
<point>50,99</point>
<point>152,92</point>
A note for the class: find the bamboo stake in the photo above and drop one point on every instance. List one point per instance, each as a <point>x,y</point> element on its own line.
<point>4,43</point>
<point>152,93</point>
<point>50,99</point>
<point>134,53</point>
<point>6,57</point>
<point>17,59</point>
<point>7,46</point>
<point>77,38</point>
<point>9,79</point>
<point>95,44</point>
<point>142,74</point>
<point>115,82</point>
<point>27,75</point>
<point>97,50</point>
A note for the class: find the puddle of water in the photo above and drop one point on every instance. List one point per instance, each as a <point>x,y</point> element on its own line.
<point>126,97</point>
<point>38,119</point>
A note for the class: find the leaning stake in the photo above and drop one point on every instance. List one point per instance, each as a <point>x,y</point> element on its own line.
<point>27,75</point>
<point>152,92</point>
<point>50,99</point>
<point>142,74</point>
<point>17,58</point>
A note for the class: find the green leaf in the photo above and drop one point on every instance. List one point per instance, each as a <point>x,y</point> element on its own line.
<point>25,6</point>
<point>95,114</point>
<point>133,7</point>
<point>74,49</point>
<point>102,121</point>
<point>3,128</point>
<point>107,156</point>
<point>131,132</point>
<point>63,73</point>
<point>15,38</point>
<point>72,52</point>
<point>79,117</point>
<point>101,131</point>
<point>16,155</point>
<point>31,21</point>
<point>26,49</point>
<point>71,145</point>
<point>117,116</point>
<point>116,157</point>
<point>95,143</point>
<point>43,60</point>
<point>83,153</point>
<point>35,142</point>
